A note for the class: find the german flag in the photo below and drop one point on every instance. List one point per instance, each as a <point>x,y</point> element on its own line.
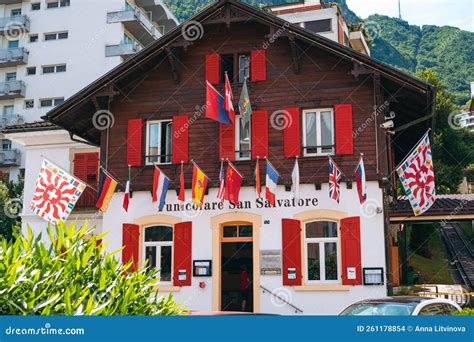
<point>106,190</point>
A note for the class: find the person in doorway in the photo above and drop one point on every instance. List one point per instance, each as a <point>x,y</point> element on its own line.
<point>244,286</point>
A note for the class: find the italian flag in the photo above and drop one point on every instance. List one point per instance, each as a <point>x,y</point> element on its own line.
<point>126,197</point>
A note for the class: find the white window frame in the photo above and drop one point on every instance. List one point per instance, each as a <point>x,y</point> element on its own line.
<point>53,102</point>
<point>322,257</point>
<point>318,132</point>
<point>158,245</point>
<point>33,4</point>
<point>243,55</point>
<point>148,124</point>
<point>56,36</point>
<point>237,139</point>
<point>59,2</point>
<point>55,66</point>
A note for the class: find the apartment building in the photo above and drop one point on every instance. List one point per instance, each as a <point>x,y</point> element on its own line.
<point>50,49</point>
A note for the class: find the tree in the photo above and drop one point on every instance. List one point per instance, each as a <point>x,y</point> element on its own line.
<point>11,204</point>
<point>453,145</point>
<point>74,275</point>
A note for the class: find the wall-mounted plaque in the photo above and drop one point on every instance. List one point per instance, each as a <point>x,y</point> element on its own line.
<point>270,262</point>
<point>202,268</point>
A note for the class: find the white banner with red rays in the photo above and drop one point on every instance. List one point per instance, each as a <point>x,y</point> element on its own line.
<point>56,193</point>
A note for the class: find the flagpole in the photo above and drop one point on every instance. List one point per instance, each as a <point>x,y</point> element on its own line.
<point>273,167</point>
<point>194,163</point>
<point>108,174</point>
<point>416,145</point>
<point>233,166</point>
<point>358,162</point>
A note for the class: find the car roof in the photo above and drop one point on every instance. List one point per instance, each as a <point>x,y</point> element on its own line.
<point>398,299</point>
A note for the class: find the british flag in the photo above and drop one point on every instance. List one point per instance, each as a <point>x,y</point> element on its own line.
<point>56,193</point>
<point>334,179</point>
<point>416,173</point>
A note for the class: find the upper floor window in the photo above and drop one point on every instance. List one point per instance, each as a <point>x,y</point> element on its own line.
<point>236,64</point>
<point>10,76</point>
<point>321,244</point>
<point>6,144</point>
<point>56,4</point>
<point>33,38</point>
<point>318,132</point>
<point>243,140</point>
<point>31,71</point>
<point>244,68</point>
<point>127,39</point>
<point>51,102</point>
<point>318,26</point>
<point>158,251</point>
<point>16,12</point>
<point>56,36</point>
<point>51,69</point>
<point>159,139</point>
<point>36,6</point>
<point>13,44</point>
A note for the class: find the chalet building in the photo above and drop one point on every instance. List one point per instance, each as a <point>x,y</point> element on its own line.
<point>311,97</point>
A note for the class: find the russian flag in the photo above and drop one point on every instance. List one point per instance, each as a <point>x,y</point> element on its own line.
<point>359,175</point>
<point>215,106</point>
<point>161,184</point>
<point>271,183</point>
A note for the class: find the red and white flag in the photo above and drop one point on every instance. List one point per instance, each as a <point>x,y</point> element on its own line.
<point>182,187</point>
<point>126,196</point>
<point>56,193</point>
<point>229,99</point>
<point>416,173</point>
<point>258,186</point>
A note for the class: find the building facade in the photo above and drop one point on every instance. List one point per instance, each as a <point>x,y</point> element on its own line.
<point>48,51</point>
<point>312,98</point>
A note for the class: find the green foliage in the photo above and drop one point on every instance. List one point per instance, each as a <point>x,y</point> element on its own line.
<point>11,201</point>
<point>452,145</point>
<point>74,276</point>
<point>465,312</point>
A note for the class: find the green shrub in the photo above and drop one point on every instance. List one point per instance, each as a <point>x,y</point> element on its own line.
<point>465,312</point>
<point>74,276</point>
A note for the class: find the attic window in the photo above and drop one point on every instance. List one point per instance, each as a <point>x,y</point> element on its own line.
<point>318,26</point>
<point>227,65</point>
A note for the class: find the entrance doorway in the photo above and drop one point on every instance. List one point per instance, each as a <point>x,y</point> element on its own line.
<point>237,267</point>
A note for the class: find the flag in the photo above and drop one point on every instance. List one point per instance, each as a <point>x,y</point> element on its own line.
<point>359,175</point>
<point>416,173</point>
<point>200,181</point>
<point>56,193</point>
<point>107,186</point>
<point>229,99</point>
<point>334,181</point>
<point>258,187</point>
<point>221,190</point>
<point>215,106</point>
<point>271,183</point>
<point>182,186</point>
<point>126,196</point>
<point>233,182</point>
<point>161,183</point>
<point>295,178</point>
<point>244,103</point>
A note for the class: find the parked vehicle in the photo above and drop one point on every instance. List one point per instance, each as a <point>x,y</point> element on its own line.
<point>402,306</point>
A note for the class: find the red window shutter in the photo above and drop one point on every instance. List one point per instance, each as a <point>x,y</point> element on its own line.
<point>180,139</point>
<point>183,234</point>
<point>134,142</point>
<point>258,63</point>
<point>130,243</point>
<point>259,134</point>
<point>86,168</point>
<point>227,141</point>
<point>344,138</point>
<point>213,68</point>
<point>350,250</point>
<point>291,250</point>
<point>292,133</point>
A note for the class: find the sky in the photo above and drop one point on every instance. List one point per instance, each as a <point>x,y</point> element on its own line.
<point>457,13</point>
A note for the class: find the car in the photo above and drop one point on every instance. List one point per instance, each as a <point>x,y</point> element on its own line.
<point>402,306</point>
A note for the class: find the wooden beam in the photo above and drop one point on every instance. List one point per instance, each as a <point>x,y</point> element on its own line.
<point>295,54</point>
<point>174,65</point>
<point>361,70</point>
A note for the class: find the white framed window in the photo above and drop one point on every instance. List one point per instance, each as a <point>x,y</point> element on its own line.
<point>243,139</point>
<point>35,6</point>
<point>322,252</point>
<point>56,36</point>
<point>244,67</point>
<point>158,141</point>
<point>51,102</point>
<point>52,69</point>
<point>318,132</point>
<point>158,251</point>
<point>10,76</point>
<point>15,12</point>
<point>30,71</point>
<point>57,4</point>
<point>13,44</point>
<point>33,38</point>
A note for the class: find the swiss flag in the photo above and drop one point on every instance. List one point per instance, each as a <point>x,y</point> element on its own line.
<point>229,99</point>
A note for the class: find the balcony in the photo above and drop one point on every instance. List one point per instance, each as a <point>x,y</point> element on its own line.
<point>14,26</point>
<point>137,23</point>
<point>10,2</point>
<point>358,42</point>
<point>12,90</point>
<point>10,157</point>
<point>13,57</point>
<point>123,50</point>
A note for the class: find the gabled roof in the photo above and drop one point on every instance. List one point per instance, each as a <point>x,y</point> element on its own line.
<point>210,11</point>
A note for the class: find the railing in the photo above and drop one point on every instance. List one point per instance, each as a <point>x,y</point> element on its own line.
<point>10,157</point>
<point>122,49</point>
<point>13,55</point>
<point>10,25</point>
<point>129,14</point>
<point>265,290</point>
<point>464,299</point>
<point>11,89</point>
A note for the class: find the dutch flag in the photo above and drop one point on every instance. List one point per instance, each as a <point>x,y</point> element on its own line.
<point>271,183</point>
<point>161,184</point>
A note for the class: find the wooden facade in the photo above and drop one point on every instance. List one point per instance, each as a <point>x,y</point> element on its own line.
<point>169,78</point>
